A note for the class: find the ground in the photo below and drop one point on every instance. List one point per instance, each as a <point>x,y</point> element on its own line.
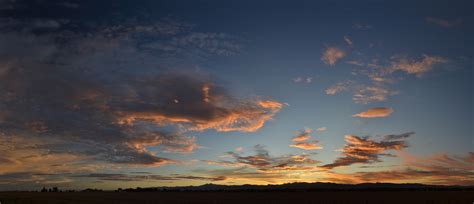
<point>431,197</point>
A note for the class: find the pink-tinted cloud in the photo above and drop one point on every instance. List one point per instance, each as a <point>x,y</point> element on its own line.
<point>378,112</point>
<point>331,55</point>
<point>302,135</point>
<point>309,145</point>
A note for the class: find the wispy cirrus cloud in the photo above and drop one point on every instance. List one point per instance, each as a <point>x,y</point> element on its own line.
<point>361,26</point>
<point>348,40</point>
<point>443,22</point>
<point>355,62</point>
<point>302,80</point>
<point>338,87</point>
<point>362,93</point>
<point>377,112</point>
<point>383,75</point>
<point>201,44</point>
<point>415,67</point>
<point>332,54</point>
<point>366,150</point>
<point>367,94</point>
<point>321,129</point>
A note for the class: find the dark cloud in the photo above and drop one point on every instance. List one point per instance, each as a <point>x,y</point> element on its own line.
<point>194,104</point>
<point>367,150</point>
<point>30,179</point>
<point>262,161</point>
<point>99,97</point>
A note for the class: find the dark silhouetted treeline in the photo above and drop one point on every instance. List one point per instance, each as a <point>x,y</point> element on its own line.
<point>304,187</point>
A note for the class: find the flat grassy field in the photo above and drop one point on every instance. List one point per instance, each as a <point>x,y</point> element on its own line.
<point>346,197</point>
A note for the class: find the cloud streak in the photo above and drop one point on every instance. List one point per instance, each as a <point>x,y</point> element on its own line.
<point>378,112</point>
<point>348,40</point>
<point>443,22</point>
<point>361,93</point>
<point>146,177</point>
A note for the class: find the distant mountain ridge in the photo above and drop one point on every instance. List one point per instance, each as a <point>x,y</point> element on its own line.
<point>318,186</point>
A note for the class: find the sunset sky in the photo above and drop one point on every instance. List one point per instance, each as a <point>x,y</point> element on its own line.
<point>119,94</point>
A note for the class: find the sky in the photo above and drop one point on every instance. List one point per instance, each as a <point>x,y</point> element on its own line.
<point>125,94</point>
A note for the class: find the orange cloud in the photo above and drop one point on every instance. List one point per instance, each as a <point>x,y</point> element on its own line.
<point>248,116</point>
<point>301,142</point>
<point>302,135</point>
<point>307,145</point>
<point>378,112</point>
<point>331,55</point>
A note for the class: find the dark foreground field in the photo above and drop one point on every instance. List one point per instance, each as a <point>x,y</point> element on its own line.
<point>431,197</point>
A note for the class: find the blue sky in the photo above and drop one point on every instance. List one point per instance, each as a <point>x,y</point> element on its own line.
<point>155,93</point>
